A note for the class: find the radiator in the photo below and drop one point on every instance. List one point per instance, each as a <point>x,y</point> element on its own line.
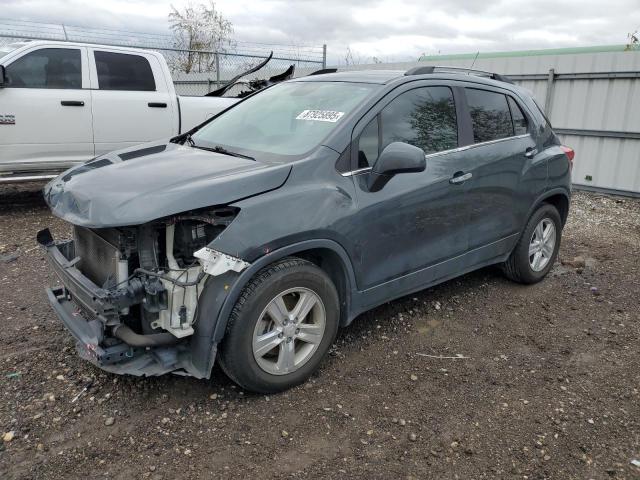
<point>98,257</point>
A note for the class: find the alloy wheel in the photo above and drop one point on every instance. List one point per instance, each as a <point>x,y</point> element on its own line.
<point>289,331</point>
<point>542,244</point>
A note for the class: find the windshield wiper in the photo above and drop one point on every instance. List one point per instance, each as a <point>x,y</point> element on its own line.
<point>188,139</point>
<point>222,150</point>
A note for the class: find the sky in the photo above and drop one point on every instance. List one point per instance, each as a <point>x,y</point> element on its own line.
<point>397,30</point>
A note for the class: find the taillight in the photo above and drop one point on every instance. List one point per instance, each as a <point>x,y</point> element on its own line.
<point>570,154</point>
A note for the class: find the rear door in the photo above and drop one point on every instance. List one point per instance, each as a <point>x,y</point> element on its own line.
<point>417,220</point>
<point>506,169</point>
<point>131,102</point>
<point>46,109</point>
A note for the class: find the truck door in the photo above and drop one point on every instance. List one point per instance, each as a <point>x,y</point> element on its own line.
<point>45,110</point>
<point>131,100</point>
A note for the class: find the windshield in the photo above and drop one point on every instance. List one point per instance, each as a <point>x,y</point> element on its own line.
<point>286,119</point>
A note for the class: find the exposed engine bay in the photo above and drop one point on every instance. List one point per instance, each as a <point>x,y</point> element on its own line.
<point>145,281</point>
<point>152,270</point>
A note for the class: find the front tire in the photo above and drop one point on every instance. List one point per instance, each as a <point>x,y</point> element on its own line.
<point>536,251</point>
<point>281,327</point>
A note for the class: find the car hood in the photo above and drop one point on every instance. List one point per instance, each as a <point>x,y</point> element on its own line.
<point>151,181</point>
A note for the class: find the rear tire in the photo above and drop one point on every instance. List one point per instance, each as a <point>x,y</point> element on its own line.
<point>536,251</point>
<point>281,327</point>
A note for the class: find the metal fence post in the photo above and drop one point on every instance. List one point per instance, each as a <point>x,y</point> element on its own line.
<point>549,95</point>
<point>217,70</point>
<point>324,56</point>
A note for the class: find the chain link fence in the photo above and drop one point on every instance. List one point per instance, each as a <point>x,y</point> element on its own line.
<point>207,70</point>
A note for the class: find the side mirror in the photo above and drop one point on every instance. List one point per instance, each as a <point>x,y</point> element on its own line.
<point>3,77</point>
<point>397,157</point>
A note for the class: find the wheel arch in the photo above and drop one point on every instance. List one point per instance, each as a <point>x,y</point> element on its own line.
<point>326,254</point>
<point>558,197</point>
<point>561,202</point>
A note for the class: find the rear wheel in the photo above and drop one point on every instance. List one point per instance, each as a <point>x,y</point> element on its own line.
<point>536,251</point>
<point>281,327</point>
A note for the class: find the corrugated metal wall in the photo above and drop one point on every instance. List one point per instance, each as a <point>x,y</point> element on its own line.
<point>596,114</point>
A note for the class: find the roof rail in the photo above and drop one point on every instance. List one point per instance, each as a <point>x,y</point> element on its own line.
<point>419,71</point>
<point>469,71</point>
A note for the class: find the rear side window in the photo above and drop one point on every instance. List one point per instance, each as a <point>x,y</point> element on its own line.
<point>120,71</point>
<point>47,68</point>
<point>519,120</point>
<point>424,117</point>
<point>490,115</point>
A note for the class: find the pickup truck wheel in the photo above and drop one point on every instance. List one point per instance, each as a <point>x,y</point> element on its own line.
<point>536,251</point>
<point>281,327</point>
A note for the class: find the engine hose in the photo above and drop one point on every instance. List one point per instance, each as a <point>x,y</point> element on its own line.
<point>134,339</point>
<point>178,283</point>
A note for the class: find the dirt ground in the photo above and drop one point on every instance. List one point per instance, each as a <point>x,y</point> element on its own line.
<point>546,383</point>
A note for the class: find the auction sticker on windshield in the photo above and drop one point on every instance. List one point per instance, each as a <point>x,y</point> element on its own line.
<point>320,115</point>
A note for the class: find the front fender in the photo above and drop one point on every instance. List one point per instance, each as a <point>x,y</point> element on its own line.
<point>222,292</point>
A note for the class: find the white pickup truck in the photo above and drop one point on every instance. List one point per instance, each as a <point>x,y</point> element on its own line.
<point>64,103</point>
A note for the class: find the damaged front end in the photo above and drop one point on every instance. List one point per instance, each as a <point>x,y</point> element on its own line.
<point>130,295</point>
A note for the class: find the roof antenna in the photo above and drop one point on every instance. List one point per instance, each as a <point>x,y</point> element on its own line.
<point>474,60</point>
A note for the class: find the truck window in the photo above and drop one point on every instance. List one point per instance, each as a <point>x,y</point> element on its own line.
<point>121,71</point>
<point>424,117</point>
<point>47,68</point>
<point>490,115</point>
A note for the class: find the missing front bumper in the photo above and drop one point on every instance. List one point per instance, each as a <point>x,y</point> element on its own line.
<point>89,311</point>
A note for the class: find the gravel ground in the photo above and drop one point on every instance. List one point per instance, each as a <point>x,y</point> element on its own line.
<point>545,384</point>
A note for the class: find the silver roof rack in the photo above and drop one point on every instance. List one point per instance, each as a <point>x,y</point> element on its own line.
<point>469,71</point>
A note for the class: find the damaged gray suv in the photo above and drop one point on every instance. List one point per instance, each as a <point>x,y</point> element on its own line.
<point>252,238</point>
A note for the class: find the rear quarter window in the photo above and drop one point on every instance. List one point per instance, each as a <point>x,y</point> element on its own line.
<point>490,115</point>
<point>520,124</point>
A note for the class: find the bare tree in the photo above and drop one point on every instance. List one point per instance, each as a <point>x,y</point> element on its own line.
<point>634,41</point>
<point>198,30</point>
<point>351,58</point>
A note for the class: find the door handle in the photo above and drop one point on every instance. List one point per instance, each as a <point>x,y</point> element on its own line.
<point>157,104</point>
<point>72,103</point>
<point>530,152</point>
<point>460,177</point>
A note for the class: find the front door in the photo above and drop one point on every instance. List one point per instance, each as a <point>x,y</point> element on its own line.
<point>46,110</point>
<point>408,232</point>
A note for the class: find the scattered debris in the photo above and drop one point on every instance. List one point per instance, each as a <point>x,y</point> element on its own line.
<point>635,463</point>
<point>575,262</point>
<point>7,437</point>
<point>442,357</point>
<point>9,257</point>
<point>83,391</point>
<point>14,375</point>
<point>109,421</point>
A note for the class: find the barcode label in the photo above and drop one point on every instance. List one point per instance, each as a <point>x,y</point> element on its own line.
<point>320,115</point>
